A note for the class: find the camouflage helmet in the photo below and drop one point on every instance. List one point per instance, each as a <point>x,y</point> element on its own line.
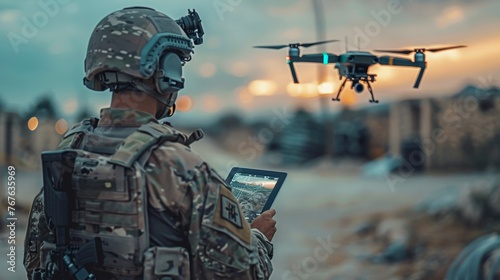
<point>127,49</point>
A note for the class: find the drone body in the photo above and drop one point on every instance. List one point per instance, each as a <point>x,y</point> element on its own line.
<point>354,65</point>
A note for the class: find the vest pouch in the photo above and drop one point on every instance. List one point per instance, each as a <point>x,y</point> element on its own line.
<point>94,178</point>
<point>166,263</point>
<point>109,203</point>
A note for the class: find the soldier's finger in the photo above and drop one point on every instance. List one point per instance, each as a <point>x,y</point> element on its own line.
<point>272,212</point>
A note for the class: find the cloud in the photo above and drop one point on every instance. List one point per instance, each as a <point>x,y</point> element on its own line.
<point>228,42</point>
<point>449,16</point>
<point>287,8</point>
<point>9,16</point>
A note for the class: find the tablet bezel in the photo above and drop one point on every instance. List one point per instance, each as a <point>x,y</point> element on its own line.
<point>271,173</point>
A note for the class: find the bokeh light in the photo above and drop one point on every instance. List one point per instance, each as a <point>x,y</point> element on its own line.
<point>310,90</point>
<point>305,90</point>
<point>294,90</point>
<point>348,99</point>
<point>262,87</point>
<point>33,123</point>
<point>184,103</point>
<point>326,88</point>
<point>61,126</point>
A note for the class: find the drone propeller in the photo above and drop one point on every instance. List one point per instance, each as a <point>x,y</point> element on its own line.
<point>421,50</point>
<point>292,45</point>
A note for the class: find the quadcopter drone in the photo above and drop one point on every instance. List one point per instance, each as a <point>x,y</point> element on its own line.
<point>353,65</point>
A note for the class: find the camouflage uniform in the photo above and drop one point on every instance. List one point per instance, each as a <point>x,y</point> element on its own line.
<point>192,204</point>
<point>189,205</point>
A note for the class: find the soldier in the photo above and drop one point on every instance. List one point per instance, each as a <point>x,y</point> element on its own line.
<point>191,227</point>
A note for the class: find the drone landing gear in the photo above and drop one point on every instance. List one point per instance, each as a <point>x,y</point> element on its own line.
<point>368,85</point>
<point>371,92</point>
<point>340,91</point>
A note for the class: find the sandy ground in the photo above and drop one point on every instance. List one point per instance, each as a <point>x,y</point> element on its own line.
<point>310,209</point>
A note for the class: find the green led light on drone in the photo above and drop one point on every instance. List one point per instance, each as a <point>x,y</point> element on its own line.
<point>287,59</point>
<point>325,58</point>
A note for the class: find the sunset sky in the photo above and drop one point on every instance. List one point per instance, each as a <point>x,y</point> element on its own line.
<point>222,69</point>
<point>265,182</point>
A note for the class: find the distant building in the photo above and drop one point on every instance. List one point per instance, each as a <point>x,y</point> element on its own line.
<point>458,132</point>
<point>10,136</point>
<point>302,140</point>
<point>362,133</point>
<point>21,146</point>
<point>42,139</point>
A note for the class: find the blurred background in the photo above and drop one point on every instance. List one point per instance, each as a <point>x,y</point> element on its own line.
<point>387,191</point>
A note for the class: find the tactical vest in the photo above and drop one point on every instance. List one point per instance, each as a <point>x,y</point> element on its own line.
<point>110,199</point>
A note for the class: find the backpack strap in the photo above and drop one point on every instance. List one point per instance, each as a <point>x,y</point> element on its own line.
<point>195,136</point>
<point>142,140</point>
<point>73,137</point>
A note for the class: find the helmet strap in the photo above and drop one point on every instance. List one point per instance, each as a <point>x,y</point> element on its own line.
<point>116,81</point>
<point>168,100</point>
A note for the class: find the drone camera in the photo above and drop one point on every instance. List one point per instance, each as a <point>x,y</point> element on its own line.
<point>191,24</point>
<point>358,88</point>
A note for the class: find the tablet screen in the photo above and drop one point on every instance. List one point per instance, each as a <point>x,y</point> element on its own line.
<point>253,190</point>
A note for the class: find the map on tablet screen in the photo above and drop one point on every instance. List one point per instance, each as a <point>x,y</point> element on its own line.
<point>255,189</point>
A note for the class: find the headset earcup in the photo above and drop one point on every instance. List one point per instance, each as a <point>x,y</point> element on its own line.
<point>169,76</point>
<point>171,110</point>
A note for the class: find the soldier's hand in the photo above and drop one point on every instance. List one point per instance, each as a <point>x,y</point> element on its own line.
<point>265,223</point>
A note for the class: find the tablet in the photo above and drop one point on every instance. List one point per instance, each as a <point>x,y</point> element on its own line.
<point>255,189</point>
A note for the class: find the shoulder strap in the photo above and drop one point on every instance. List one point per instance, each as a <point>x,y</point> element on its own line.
<point>72,138</point>
<point>142,140</point>
<point>195,136</point>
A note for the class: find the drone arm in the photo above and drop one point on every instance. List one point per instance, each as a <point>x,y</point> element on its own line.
<point>324,58</point>
<point>397,61</point>
<point>294,74</point>
<point>419,78</point>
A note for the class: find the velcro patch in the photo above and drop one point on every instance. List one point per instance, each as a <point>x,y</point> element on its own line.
<point>229,216</point>
<point>230,211</point>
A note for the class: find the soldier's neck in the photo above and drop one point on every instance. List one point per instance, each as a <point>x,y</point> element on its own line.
<point>134,100</point>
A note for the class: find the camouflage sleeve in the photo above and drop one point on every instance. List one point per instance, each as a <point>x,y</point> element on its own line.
<point>222,245</point>
<point>226,247</point>
<point>36,232</point>
<point>265,252</point>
